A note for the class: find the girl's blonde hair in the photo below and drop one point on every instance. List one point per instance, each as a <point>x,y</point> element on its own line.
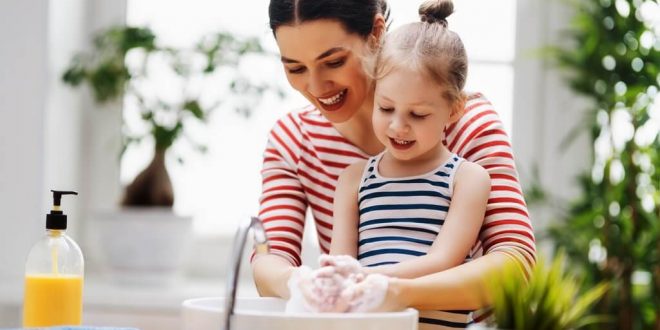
<point>428,47</point>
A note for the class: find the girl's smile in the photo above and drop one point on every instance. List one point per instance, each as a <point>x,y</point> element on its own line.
<point>401,144</point>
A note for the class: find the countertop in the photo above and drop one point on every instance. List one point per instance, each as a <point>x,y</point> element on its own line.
<point>99,291</point>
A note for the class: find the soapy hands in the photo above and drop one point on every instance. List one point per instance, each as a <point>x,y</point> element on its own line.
<point>340,285</point>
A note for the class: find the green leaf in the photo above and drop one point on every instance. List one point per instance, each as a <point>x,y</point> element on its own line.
<point>193,107</point>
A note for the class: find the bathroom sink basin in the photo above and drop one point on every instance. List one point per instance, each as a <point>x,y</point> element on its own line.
<point>268,314</point>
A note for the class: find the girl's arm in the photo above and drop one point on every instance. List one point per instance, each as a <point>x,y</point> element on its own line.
<point>282,207</point>
<point>459,232</point>
<point>345,212</point>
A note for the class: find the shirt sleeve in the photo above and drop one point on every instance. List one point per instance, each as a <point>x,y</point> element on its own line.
<point>479,137</point>
<point>283,203</point>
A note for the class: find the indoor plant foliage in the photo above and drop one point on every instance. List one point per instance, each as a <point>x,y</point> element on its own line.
<point>118,66</point>
<point>552,299</point>
<point>615,225</point>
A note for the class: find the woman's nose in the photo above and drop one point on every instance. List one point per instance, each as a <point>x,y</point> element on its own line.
<point>318,84</point>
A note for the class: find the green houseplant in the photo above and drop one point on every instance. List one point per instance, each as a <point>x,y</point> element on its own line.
<point>110,77</point>
<point>144,241</point>
<point>614,60</point>
<point>551,299</point>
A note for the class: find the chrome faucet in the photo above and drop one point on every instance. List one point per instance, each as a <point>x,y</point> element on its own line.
<point>261,247</point>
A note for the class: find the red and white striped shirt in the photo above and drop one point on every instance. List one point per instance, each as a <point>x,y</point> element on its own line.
<point>305,155</point>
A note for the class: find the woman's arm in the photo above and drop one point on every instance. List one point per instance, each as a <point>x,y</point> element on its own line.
<point>458,288</point>
<point>271,274</point>
<point>282,209</point>
<point>345,212</point>
<point>459,231</point>
<point>479,137</point>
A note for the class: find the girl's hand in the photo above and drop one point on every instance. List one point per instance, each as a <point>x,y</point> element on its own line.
<point>342,264</point>
<point>316,291</point>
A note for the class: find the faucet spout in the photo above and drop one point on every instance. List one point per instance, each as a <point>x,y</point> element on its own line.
<point>261,247</point>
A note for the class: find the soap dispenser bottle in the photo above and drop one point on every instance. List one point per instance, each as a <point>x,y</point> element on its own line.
<point>54,274</point>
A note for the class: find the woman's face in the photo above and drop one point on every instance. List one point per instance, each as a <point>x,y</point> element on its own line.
<point>322,61</point>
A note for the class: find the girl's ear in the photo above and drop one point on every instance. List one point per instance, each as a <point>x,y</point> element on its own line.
<point>457,108</point>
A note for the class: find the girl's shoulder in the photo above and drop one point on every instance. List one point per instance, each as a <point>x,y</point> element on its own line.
<point>471,174</point>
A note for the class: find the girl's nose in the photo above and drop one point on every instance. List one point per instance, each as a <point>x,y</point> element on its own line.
<point>399,126</point>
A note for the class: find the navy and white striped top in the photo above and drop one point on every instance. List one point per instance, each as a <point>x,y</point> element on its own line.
<point>401,217</point>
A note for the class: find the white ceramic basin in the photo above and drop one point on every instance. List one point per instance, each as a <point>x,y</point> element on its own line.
<point>268,314</point>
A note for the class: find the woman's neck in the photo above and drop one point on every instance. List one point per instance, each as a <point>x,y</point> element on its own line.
<point>359,131</point>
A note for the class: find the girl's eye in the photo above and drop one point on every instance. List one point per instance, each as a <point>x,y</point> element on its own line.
<point>418,116</point>
<point>385,110</point>
<point>296,70</point>
<point>336,63</point>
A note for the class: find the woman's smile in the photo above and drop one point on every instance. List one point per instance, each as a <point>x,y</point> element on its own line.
<point>333,102</point>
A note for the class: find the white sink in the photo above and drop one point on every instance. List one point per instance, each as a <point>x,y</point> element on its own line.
<point>268,314</point>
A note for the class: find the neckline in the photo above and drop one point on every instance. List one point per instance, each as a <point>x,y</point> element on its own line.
<point>320,117</point>
<point>377,173</point>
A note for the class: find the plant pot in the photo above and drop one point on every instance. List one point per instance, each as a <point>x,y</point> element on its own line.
<point>142,246</point>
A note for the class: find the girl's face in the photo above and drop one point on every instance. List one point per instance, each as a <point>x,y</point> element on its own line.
<point>322,62</point>
<point>410,115</point>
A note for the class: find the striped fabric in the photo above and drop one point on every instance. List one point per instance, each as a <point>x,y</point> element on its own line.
<point>400,219</point>
<point>305,155</point>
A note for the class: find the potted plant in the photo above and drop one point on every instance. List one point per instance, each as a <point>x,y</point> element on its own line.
<point>550,299</point>
<point>611,57</point>
<point>118,67</point>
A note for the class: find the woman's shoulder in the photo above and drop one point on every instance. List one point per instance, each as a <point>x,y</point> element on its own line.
<point>479,115</point>
<point>477,103</point>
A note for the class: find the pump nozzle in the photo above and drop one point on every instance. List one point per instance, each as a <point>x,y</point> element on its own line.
<point>57,196</point>
<point>56,219</point>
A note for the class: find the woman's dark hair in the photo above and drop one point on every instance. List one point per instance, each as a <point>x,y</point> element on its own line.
<point>357,16</point>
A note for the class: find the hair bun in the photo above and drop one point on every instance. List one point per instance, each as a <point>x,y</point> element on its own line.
<point>436,11</point>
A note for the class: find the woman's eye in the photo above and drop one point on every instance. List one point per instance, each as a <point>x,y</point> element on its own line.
<point>336,63</point>
<point>296,70</point>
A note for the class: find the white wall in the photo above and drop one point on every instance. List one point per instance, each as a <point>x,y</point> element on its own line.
<point>44,127</point>
<point>545,110</point>
<point>23,94</point>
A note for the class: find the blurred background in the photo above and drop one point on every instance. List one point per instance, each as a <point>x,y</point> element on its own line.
<point>575,83</point>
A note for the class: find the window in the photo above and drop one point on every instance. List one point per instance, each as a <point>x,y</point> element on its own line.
<point>222,187</point>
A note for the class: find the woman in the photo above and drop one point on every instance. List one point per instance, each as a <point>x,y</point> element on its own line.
<point>321,45</point>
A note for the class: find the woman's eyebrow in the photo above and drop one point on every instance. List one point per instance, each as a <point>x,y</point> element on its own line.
<point>323,55</point>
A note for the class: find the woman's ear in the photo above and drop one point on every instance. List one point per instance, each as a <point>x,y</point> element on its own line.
<point>379,28</point>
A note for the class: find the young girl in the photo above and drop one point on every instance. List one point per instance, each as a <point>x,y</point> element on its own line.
<point>416,208</point>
